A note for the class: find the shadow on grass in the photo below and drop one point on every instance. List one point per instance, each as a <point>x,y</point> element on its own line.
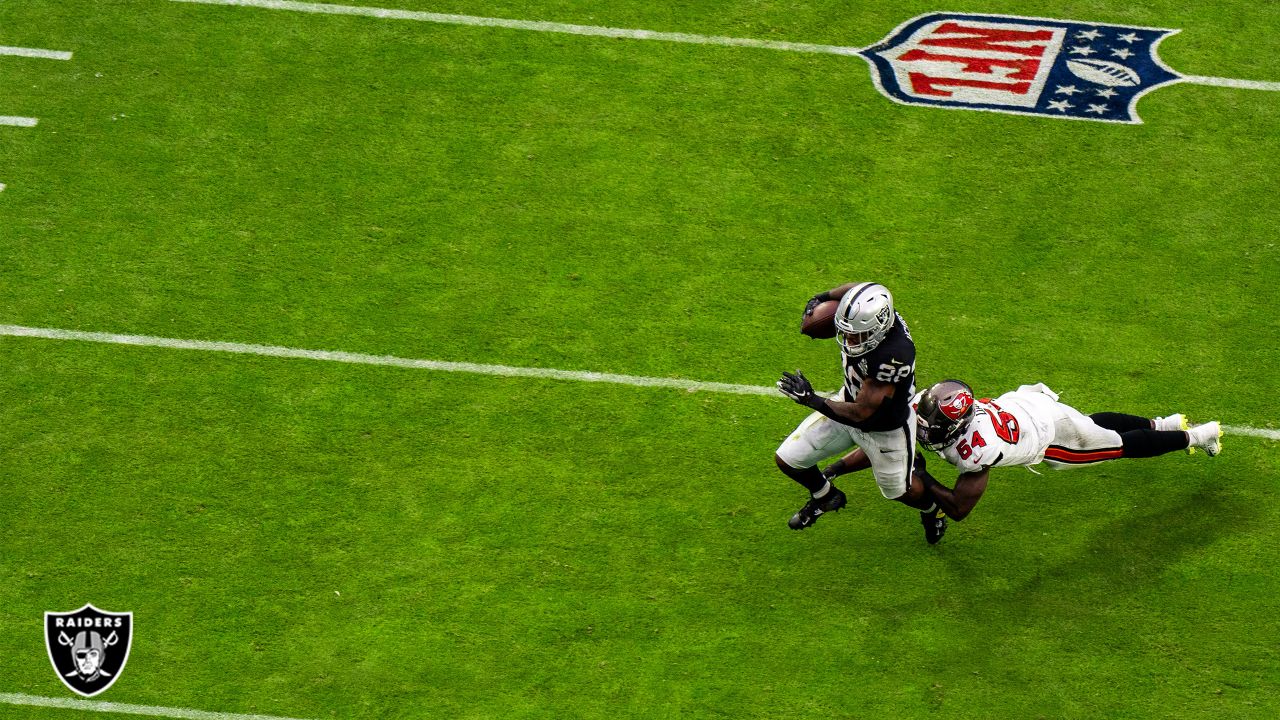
<point>1127,555</point>
<point>1041,626</point>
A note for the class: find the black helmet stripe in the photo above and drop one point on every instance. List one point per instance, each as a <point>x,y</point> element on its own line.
<point>856,290</point>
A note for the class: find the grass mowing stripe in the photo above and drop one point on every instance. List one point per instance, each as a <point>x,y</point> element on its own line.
<point>35,53</point>
<point>389,360</point>
<point>536,25</point>
<point>440,365</point>
<point>126,709</point>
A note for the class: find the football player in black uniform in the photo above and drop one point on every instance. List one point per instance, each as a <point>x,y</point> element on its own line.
<point>873,409</point>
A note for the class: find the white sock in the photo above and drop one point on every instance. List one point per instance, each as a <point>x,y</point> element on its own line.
<point>826,488</point>
<point>1200,435</point>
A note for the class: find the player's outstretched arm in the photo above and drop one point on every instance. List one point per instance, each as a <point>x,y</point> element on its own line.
<point>870,396</point>
<point>958,503</point>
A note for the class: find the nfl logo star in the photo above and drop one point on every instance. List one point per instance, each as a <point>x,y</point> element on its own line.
<point>1036,66</point>
<point>88,647</point>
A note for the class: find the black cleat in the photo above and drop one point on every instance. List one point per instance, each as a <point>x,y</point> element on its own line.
<point>808,515</point>
<point>935,526</point>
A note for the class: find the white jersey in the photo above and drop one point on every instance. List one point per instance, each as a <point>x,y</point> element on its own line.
<point>1014,429</point>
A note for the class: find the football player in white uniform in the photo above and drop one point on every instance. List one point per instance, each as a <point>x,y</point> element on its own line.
<point>1026,427</point>
<point>872,410</point>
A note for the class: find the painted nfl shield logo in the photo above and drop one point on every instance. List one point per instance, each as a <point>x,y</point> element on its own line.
<point>88,647</point>
<point>1011,64</point>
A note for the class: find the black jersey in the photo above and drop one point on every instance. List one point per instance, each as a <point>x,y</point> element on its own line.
<point>892,361</point>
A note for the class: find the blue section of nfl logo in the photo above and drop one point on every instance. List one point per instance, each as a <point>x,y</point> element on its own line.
<point>1036,66</point>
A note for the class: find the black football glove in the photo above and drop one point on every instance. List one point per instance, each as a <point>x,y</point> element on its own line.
<point>798,388</point>
<point>814,302</point>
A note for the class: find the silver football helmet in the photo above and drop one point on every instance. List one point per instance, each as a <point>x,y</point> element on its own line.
<point>863,318</point>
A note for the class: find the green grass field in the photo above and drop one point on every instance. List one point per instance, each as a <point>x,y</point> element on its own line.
<point>322,540</point>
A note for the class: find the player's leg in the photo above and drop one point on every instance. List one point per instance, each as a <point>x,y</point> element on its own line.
<point>1139,436</point>
<point>797,457</point>
<point>857,461</point>
<point>1078,440</point>
<point>1122,422</point>
<point>1083,440</point>
<point>1150,443</point>
<point>852,462</point>
<point>893,456</point>
<point>1148,438</point>
<point>920,497</point>
<point>918,494</point>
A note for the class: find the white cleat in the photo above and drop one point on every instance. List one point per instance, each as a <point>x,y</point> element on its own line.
<point>1177,421</point>
<point>1207,437</point>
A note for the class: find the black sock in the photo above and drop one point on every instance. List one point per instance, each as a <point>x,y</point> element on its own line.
<point>810,477</point>
<point>1120,422</point>
<point>1149,443</point>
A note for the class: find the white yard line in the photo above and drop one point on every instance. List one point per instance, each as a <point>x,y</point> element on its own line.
<point>1232,83</point>
<point>632,34</point>
<point>35,53</point>
<point>388,360</point>
<point>1267,433</point>
<point>439,365</point>
<point>538,26</point>
<point>16,121</point>
<point>126,709</point>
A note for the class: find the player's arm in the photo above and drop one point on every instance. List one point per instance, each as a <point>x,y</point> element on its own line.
<point>834,293</point>
<point>870,396</point>
<point>917,495</point>
<point>852,462</point>
<point>958,503</point>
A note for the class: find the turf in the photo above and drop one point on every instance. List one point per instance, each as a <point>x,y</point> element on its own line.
<point>315,540</point>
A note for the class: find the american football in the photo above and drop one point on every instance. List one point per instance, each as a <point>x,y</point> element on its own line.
<point>1104,72</point>
<point>821,324</point>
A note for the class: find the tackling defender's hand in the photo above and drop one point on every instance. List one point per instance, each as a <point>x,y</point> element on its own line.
<point>798,388</point>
